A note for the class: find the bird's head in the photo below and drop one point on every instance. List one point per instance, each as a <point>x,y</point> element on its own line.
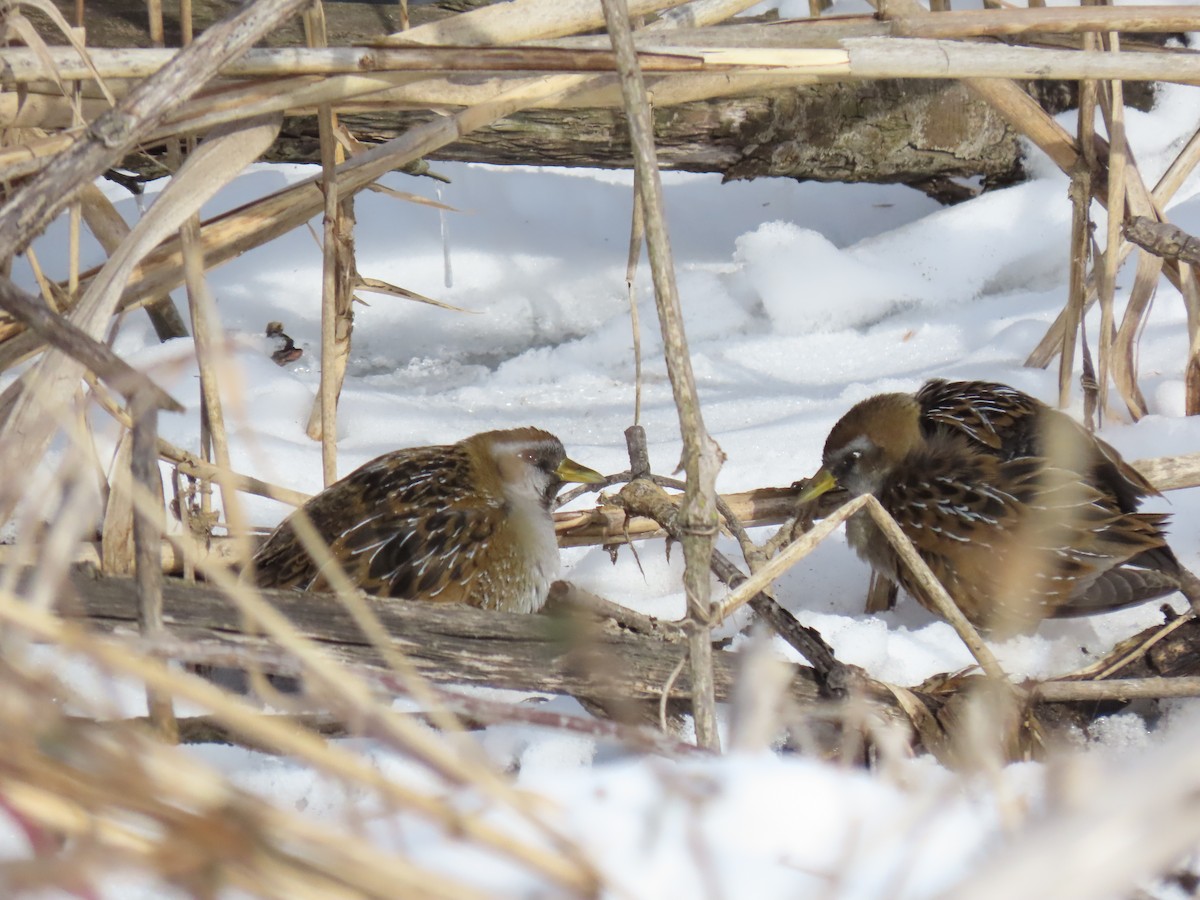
<point>531,464</point>
<point>866,444</point>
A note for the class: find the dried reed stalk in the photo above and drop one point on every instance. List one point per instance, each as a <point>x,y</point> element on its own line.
<point>57,374</point>
<point>1115,119</point>
<point>338,273</point>
<point>1051,20</point>
<point>701,456</point>
<point>520,20</point>
<point>147,536</point>
<point>1167,186</point>
<point>1024,115</point>
<point>240,716</point>
<point>1081,231</point>
<point>930,586</point>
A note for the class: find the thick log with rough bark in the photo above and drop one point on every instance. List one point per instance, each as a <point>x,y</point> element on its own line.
<point>917,132</point>
<point>581,657</point>
<point>879,131</point>
<point>446,643</point>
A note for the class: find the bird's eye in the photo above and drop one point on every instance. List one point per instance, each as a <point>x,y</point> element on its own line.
<point>853,456</point>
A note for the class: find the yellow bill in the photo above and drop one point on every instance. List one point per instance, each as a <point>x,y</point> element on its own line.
<point>819,484</point>
<point>571,471</point>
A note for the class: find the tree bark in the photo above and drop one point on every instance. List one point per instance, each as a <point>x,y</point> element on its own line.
<point>906,131</point>
<point>452,644</point>
<point>878,131</point>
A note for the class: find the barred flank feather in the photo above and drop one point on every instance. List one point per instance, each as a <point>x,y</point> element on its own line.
<point>1018,510</point>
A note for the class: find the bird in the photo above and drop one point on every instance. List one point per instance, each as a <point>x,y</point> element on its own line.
<point>463,523</point>
<point>1019,511</point>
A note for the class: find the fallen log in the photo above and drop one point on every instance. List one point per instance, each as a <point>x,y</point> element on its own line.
<point>578,656</point>
<point>887,130</point>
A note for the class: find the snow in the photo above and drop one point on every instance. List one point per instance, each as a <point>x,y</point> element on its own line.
<point>800,299</point>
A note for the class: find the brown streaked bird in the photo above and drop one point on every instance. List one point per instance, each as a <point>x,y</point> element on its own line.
<point>465,523</point>
<point>1020,512</point>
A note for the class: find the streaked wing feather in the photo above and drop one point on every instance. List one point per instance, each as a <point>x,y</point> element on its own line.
<point>377,522</point>
<point>994,415</point>
<point>993,530</point>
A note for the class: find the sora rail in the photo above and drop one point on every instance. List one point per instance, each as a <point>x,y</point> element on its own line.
<point>1019,511</point>
<point>465,523</point>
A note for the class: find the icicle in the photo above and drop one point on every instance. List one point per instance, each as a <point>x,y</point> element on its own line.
<point>448,271</point>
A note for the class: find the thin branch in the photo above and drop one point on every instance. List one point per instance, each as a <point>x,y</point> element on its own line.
<point>1117,689</point>
<point>1163,239</point>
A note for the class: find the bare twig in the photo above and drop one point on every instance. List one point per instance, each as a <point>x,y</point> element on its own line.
<point>1163,239</point>
<point>1117,689</point>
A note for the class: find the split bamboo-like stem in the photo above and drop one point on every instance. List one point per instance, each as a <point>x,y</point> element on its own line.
<point>873,54</point>
<point>322,423</point>
<point>1081,231</point>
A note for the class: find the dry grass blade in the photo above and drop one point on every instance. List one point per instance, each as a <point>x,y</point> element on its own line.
<point>239,715</point>
<point>127,801</point>
<point>409,198</point>
<point>215,163</point>
<point>1147,810</point>
<point>110,229</point>
<point>378,286</point>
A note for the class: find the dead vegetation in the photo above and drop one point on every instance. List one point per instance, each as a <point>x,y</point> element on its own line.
<point>96,796</point>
